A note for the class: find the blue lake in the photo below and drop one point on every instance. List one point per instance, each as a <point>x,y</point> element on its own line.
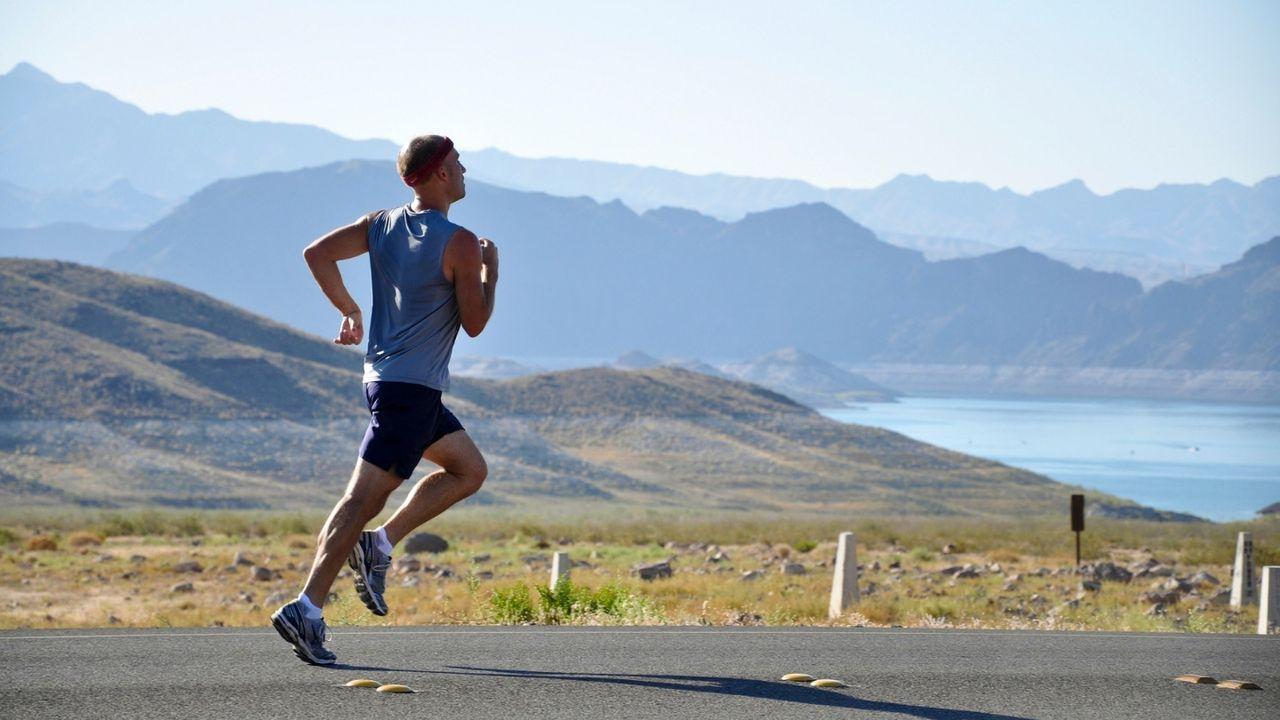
<point>1217,461</point>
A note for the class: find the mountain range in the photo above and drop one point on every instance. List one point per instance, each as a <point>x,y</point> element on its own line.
<point>58,136</point>
<point>587,279</point>
<point>1167,232</point>
<point>118,390</point>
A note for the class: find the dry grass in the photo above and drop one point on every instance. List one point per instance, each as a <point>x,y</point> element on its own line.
<point>84,539</point>
<point>128,580</point>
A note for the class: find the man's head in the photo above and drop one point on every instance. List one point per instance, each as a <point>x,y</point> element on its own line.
<point>429,164</point>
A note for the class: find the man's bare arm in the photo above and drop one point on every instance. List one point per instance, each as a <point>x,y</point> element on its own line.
<point>322,257</point>
<point>472,265</point>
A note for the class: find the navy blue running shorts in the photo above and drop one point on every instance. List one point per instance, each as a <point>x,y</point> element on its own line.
<point>404,420</point>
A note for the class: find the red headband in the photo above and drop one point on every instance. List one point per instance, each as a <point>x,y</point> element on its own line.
<point>431,165</point>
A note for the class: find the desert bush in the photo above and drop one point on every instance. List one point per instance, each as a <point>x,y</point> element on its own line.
<point>41,542</point>
<point>556,605</point>
<point>511,605</point>
<point>804,546</point>
<point>880,610</point>
<point>1002,555</point>
<point>7,536</point>
<point>83,539</point>
<point>920,554</point>
<point>939,609</point>
<point>300,542</point>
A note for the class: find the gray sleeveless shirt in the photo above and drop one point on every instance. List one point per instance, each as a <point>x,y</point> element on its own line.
<point>415,316</point>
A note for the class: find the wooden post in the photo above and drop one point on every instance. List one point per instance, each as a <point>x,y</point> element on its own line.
<point>1077,522</point>
<point>1243,582</point>
<point>560,565</point>
<point>1269,601</point>
<point>844,585</point>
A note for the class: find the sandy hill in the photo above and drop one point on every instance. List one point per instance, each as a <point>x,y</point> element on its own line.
<point>117,390</point>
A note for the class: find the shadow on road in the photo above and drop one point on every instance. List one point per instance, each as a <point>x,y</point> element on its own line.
<point>743,687</point>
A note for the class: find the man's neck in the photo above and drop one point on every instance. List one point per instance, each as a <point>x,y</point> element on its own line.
<point>422,203</point>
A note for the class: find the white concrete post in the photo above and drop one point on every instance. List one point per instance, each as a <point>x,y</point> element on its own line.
<point>1244,584</point>
<point>1269,601</point>
<point>560,565</point>
<point>844,586</point>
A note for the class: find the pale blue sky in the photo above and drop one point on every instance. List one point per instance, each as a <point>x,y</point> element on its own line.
<point>1023,94</point>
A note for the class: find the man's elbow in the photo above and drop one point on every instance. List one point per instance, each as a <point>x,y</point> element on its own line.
<point>311,254</point>
<point>473,329</point>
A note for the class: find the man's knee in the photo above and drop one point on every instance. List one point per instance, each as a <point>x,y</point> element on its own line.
<point>472,473</point>
<point>369,489</point>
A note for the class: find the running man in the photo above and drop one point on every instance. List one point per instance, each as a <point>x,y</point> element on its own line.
<point>430,276</point>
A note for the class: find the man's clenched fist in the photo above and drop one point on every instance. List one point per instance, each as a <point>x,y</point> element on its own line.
<point>352,331</point>
<point>488,253</point>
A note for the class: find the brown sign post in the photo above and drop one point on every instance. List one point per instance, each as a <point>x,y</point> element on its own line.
<point>1077,522</point>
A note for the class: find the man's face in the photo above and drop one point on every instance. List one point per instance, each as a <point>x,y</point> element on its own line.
<point>457,184</point>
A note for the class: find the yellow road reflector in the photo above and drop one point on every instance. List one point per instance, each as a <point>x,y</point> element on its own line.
<point>362,682</point>
<point>1238,685</point>
<point>390,688</point>
<point>828,682</point>
<point>1197,679</point>
<point>797,677</point>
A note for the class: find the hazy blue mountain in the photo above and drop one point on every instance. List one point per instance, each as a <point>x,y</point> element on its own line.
<point>118,206</point>
<point>584,279</point>
<point>1174,225</point>
<point>59,136</point>
<point>63,241</point>
<point>809,379</point>
<point>1171,231</point>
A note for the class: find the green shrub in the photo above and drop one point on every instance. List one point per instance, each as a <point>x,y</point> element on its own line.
<point>920,554</point>
<point>7,536</point>
<point>512,605</point>
<point>804,546</point>
<point>939,609</point>
<point>557,605</point>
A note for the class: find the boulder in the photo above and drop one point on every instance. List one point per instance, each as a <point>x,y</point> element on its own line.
<point>652,571</point>
<point>262,574</point>
<point>188,566</point>
<point>428,543</point>
<point>1203,578</point>
<point>185,587</point>
<point>278,597</point>
<point>750,575</point>
<point>407,564</point>
<point>1109,572</point>
<point>1161,597</point>
<point>242,559</point>
<point>792,568</point>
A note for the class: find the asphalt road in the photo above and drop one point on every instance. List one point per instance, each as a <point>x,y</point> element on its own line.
<point>601,673</point>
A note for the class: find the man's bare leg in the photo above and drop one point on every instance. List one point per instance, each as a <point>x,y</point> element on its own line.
<point>365,497</point>
<point>462,471</point>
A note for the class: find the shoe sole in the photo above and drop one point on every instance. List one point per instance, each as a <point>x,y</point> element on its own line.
<point>290,636</point>
<point>355,561</point>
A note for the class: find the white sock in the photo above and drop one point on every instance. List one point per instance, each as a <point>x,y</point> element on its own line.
<point>313,612</point>
<point>384,544</point>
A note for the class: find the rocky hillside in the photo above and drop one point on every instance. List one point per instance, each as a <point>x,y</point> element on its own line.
<point>117,390</point>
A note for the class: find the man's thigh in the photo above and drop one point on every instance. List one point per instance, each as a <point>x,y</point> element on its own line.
<point>456,454</point>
